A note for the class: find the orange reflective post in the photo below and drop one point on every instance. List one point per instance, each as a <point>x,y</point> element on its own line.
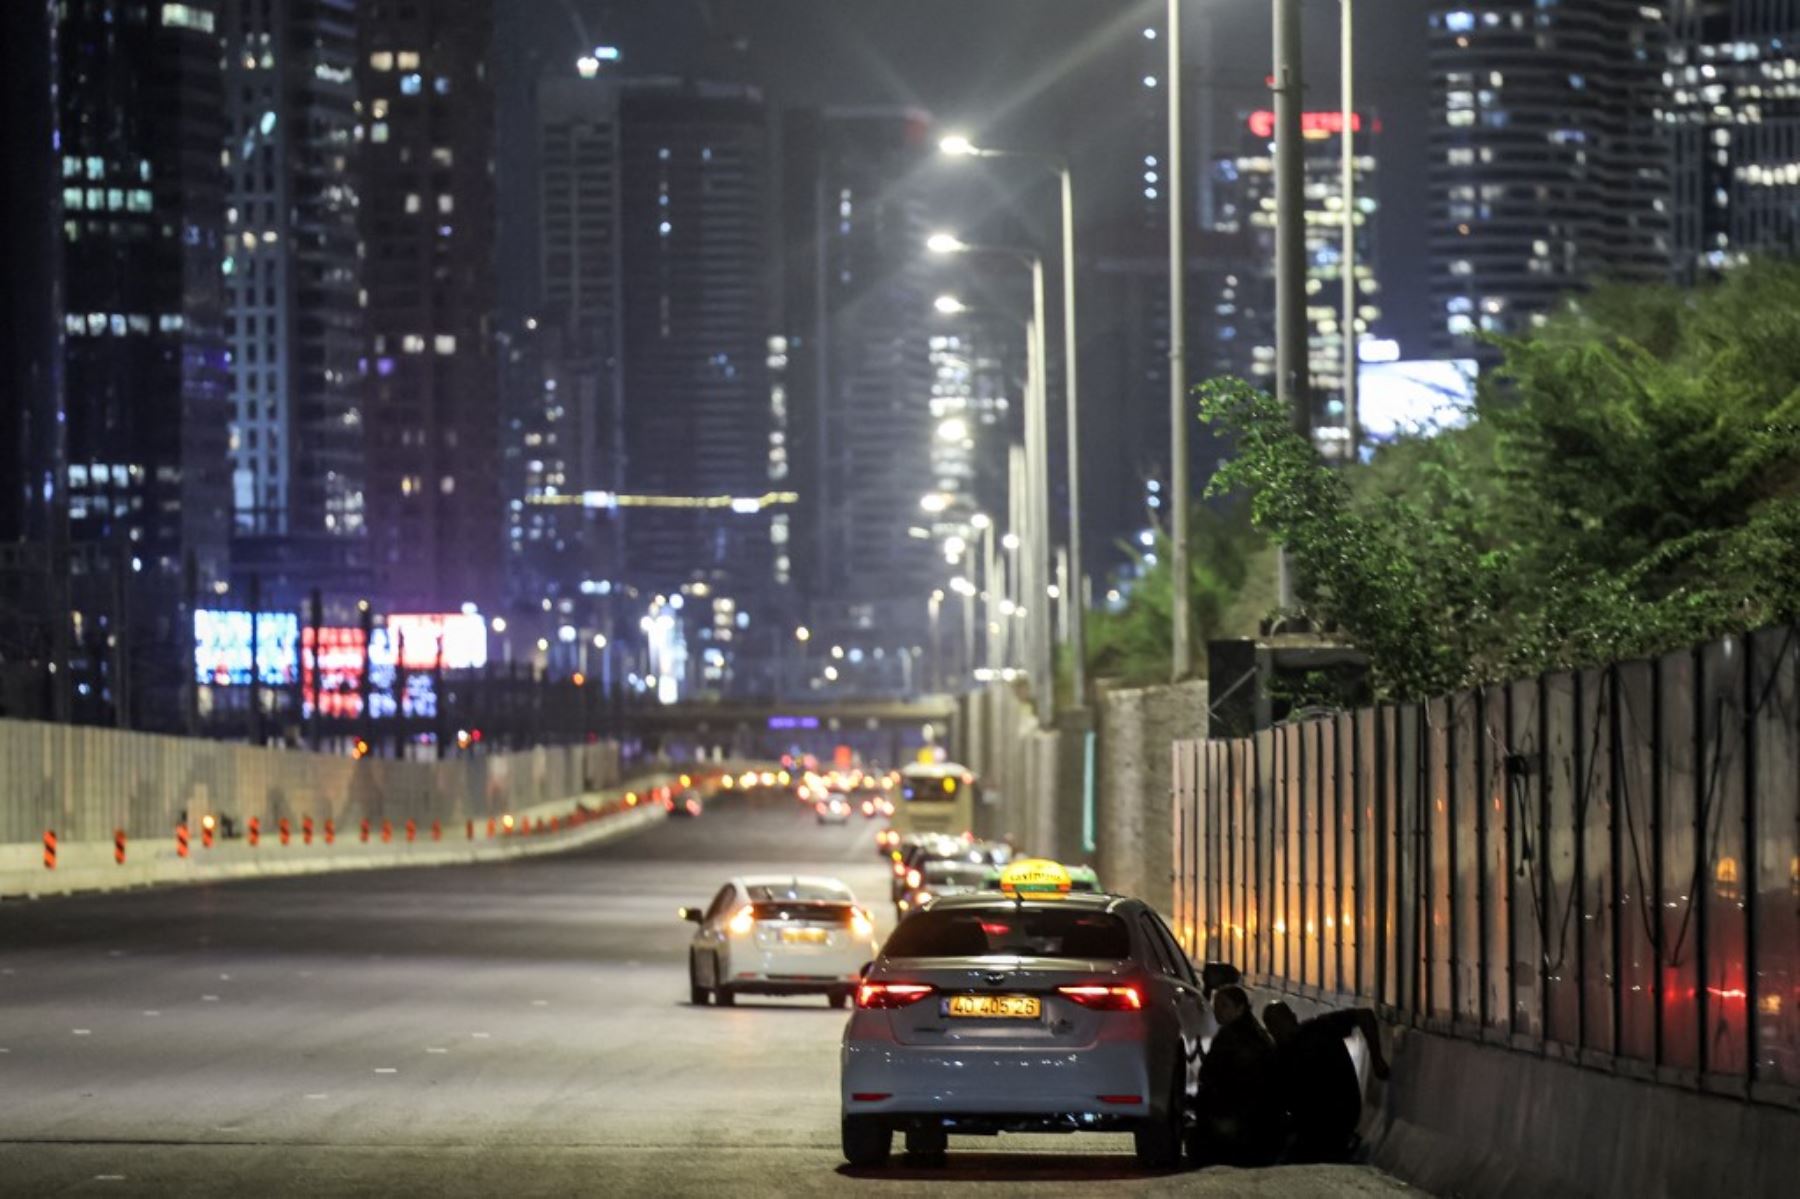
<point>306,829</point>
<point>255,835</point>
<point>437,831</point>
<point>412,831</point>
<point>330,831</point>
<point>285,830</point>
<point>49,849</point>
<point>181,842</point>
<point>365,830</point>
<point>387,832</point>
<point>119,846</point>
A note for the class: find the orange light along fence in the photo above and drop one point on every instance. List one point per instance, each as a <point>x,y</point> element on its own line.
<point>1598,865</point>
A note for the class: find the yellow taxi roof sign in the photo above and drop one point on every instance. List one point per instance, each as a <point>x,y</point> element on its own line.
<point>1035,878</point>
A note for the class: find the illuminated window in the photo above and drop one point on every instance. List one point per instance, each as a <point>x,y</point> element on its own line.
<point>412,201</point>
<point>444,343</point>
<point>407,60</point>
<point>186,16</point>
<point>381,60</point>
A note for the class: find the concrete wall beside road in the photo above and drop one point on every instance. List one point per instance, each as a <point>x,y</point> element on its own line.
<point>1133,808</point>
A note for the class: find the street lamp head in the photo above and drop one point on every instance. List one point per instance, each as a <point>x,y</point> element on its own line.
<point>957,146</point>
<point>980,521</point>
<point>803,634</point>
<point>1010,541</point>
<point>945,243</point>
<point>935,501</point>
<point>949,306</point>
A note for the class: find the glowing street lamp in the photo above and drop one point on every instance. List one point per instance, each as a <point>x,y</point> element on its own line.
<point>945,243</point>
<point>949,306</point>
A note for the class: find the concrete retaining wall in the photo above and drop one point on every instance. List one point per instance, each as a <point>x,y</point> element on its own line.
<point>1133,809</point>
<point>85,782</point>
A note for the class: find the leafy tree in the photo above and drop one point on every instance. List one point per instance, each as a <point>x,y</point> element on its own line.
<point>1629,484</point>
<point>1228,561</point>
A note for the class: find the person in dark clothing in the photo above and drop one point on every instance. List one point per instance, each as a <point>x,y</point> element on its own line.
<point>1239,1106</point>
<point>1319,1088</point>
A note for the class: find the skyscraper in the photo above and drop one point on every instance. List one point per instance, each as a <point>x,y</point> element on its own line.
<point>293,272</point>
<point>861,370</point>
<point>1734,114</point>
<point>697,280</point>
<point>1243,191</point>
<point>431,404</point>
<point>1550,165</point>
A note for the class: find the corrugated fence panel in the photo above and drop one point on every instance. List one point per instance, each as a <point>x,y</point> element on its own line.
<point>1594,847</point>
<point>1556,915</point>
<point>1680,775</point>
<point>1725,989</point>
<point>1775,889</point>
<point>1634,779</point>
<point>1465,857</point>
<point>1603,865</point>
<point>1440,914</point>
<point>1496,867</point>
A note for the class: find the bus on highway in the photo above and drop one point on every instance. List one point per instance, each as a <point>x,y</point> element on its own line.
<point>936,797</point>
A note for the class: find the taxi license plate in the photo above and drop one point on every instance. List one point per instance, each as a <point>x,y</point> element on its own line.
<point>994,1007</point>
<point>803,936</point>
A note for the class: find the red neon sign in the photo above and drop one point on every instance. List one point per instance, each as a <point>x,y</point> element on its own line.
<point>1312,124</point>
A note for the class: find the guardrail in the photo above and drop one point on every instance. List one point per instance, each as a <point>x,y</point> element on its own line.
<point>1602,866</point>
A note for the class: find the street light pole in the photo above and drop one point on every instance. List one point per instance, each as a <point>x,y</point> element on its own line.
<point>1037,623</point>
<point>1077,634</point>
<point>1182,660</point>
<point>1352,417</point>
<point>1290,243</point>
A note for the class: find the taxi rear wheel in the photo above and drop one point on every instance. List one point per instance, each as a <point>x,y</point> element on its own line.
<point>697,994</point>
<point>724,998</point>
<point>839,998</point>
<point>1158,1139</point>
<point>867,1141</point>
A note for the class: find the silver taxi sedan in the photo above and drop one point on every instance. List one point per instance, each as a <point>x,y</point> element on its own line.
<point>986,1014</point>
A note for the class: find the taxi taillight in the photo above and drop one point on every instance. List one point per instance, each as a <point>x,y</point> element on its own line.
<point>1102,998</point>
<point>891,995</point>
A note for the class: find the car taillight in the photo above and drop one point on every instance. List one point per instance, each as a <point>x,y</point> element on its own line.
<point>860,924</point>
<point>899,869</point>
<point>1105,999</point>
<point>891,995</point>
<point>742,922</point>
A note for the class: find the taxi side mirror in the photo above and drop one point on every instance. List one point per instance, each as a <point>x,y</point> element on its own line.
<point>694,914</point>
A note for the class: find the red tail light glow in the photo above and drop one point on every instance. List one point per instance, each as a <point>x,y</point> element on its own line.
<point>1105,999</point>
<point>891,995</point>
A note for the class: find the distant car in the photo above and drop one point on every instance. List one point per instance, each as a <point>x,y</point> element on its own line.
<point>833,809</point>
<point>938,877</point>
<point>987,1013</point>
<point>930,847</point>
<point>778,935</point>
<point>688,805</point>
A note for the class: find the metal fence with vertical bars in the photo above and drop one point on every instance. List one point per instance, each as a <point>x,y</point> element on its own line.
<point>1599,865</point>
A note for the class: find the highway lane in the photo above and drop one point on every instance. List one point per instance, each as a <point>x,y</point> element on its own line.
<point>518,1028</point>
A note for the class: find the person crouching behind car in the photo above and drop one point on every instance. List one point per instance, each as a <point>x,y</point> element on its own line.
<point>1239,1108</point>
<point>1319,1085</point>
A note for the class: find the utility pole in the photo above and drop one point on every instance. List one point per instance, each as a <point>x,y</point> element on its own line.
<point>1183,657</point>
<point>1290,242</point>
<point>1075,636</point>
<point>1352,418</point>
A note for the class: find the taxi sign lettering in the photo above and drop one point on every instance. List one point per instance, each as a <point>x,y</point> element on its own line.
<point>1035,878</point>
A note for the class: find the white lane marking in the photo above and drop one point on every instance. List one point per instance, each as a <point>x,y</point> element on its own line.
<point>386,1070</point>
<point>479,1036</point>
<point>225,1128</point>
<point>209,998</point>
<point>540,1003</point>
<point>82,1032</point>
<point>436,1049</point>
<point>306,974</point>
<point>7,970</point>
<point>115,953</point>
<point>224,978</point>
<point>109,1178</point>
<point>319,1095</point>
<point>4,1050</point>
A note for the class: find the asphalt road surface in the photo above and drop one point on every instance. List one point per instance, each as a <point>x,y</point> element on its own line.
<point>511,1029</point>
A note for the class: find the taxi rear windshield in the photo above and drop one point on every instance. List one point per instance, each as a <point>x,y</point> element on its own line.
<point>1008,931</point>
<point>812,913</point>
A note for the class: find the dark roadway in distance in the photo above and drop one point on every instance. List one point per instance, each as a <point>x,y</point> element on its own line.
<point>510,1029</point>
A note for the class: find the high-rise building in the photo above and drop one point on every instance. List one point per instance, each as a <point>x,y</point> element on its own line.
<point>32,471</point>
<point>1550,163</point>
<point>1734,114</point>
<point>699,418</point>
<point>146,361</point>
<point>1243,191</point>
<point>862,379</point>
<point>563,376</point>
<point>292,275</point>
<point>426,207</point>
